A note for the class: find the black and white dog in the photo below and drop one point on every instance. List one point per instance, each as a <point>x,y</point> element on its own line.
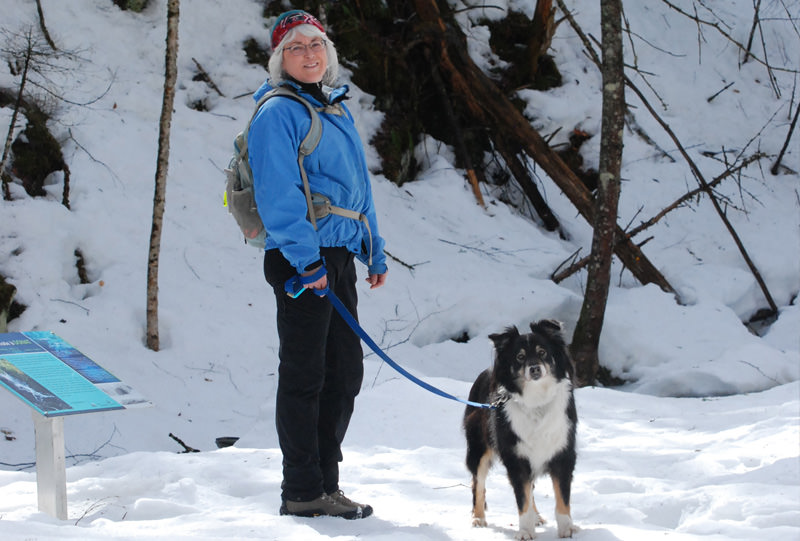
<point>531,428</point>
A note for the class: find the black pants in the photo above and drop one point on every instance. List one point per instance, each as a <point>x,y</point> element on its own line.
<point>319,375</point>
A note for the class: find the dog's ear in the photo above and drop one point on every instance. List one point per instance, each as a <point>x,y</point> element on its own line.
<point>549,327</point>
<point>553,330</point>
<point>502,339</point>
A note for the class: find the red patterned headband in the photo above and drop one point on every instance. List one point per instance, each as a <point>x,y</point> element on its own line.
<point>289,20</point>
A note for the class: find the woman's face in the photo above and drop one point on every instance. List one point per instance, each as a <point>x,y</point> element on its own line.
<point>305,59</point>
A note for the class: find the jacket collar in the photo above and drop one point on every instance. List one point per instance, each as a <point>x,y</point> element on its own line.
<point>324,96</point>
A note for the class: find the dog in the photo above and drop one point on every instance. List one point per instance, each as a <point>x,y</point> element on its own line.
<point>531,426</point>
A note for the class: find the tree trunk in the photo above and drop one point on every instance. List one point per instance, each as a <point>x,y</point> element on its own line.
<point>586,338</point>
<point>544,28</point>
<point>162,166</point>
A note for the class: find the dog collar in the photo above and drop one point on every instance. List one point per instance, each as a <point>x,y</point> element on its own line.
<point>501,396</point>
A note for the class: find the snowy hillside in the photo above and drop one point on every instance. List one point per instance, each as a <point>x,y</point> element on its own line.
<point>701,443</point>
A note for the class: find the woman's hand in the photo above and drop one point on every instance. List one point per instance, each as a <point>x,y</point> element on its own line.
<point>320,283</point>
<point>376,280</point>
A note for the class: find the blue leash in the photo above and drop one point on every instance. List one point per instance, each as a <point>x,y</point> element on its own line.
<point>295,286</point>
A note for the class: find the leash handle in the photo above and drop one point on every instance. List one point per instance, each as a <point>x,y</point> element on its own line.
<point>295,285</point>
<point>353,324</point>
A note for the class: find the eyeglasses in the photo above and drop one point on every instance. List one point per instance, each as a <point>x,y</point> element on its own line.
<point>298,49</point>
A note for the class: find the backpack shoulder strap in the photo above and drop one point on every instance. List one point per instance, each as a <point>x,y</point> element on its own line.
<point>307,145</point>
<point>314,134</point>
<point>311,140</point>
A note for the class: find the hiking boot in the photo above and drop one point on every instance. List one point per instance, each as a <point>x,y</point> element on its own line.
<point>335,505</point>
<point>366,510</point>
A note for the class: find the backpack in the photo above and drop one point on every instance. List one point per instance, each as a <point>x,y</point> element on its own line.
<point>239,196</point>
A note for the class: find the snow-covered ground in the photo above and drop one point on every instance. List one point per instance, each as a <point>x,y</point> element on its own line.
<point>702,443</point>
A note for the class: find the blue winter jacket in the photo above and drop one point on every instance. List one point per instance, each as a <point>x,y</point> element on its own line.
<point>337,169</point>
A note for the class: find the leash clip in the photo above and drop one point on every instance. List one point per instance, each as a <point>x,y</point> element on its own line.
<point>295,285</point>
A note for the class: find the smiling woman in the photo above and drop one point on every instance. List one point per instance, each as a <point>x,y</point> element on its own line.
<point>321,360</point>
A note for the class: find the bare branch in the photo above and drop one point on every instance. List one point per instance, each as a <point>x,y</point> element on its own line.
<point>688,196</point>
<point>43,27</point>
<point>777,165</point>
<point>206,78</point>
<point>186,448</point>
<point>91,157</point>
<point>562,273</point>
<point>745,49</point>
<point>726,87</point>
<point>409,266</point>
<point>706,188</point>
<point>752,31</point>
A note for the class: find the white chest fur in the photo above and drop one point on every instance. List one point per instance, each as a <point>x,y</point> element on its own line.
<point>539,418</point>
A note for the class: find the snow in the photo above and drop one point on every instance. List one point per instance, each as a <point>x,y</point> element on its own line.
<point>702,442</point>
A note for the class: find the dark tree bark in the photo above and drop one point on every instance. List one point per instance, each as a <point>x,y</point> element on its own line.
<point>162,166</point>
<point>586,338</point>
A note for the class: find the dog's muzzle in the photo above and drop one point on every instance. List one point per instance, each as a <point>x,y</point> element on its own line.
<point>534,372</point>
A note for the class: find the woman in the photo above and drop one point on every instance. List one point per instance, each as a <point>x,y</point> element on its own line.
<point>321,361</point>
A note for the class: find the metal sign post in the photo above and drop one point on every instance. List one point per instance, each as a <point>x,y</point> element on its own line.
<point>51,473</point>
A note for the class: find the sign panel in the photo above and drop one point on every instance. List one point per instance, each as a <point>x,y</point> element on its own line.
<point>56,379</point>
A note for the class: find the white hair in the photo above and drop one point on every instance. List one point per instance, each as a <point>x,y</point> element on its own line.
<point>276,72</point>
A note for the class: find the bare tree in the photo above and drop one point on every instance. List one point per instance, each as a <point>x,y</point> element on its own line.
<point>586,338</point>
<point>162,166</point>
<point>23,58</point>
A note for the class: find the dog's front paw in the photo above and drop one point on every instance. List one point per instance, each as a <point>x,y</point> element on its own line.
<point>479,522</point>
<point>525,535</point>
<point>565,526</point>
<point>528,522</point>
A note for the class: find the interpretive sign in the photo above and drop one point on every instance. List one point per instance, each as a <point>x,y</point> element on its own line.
<point>56,380</point>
